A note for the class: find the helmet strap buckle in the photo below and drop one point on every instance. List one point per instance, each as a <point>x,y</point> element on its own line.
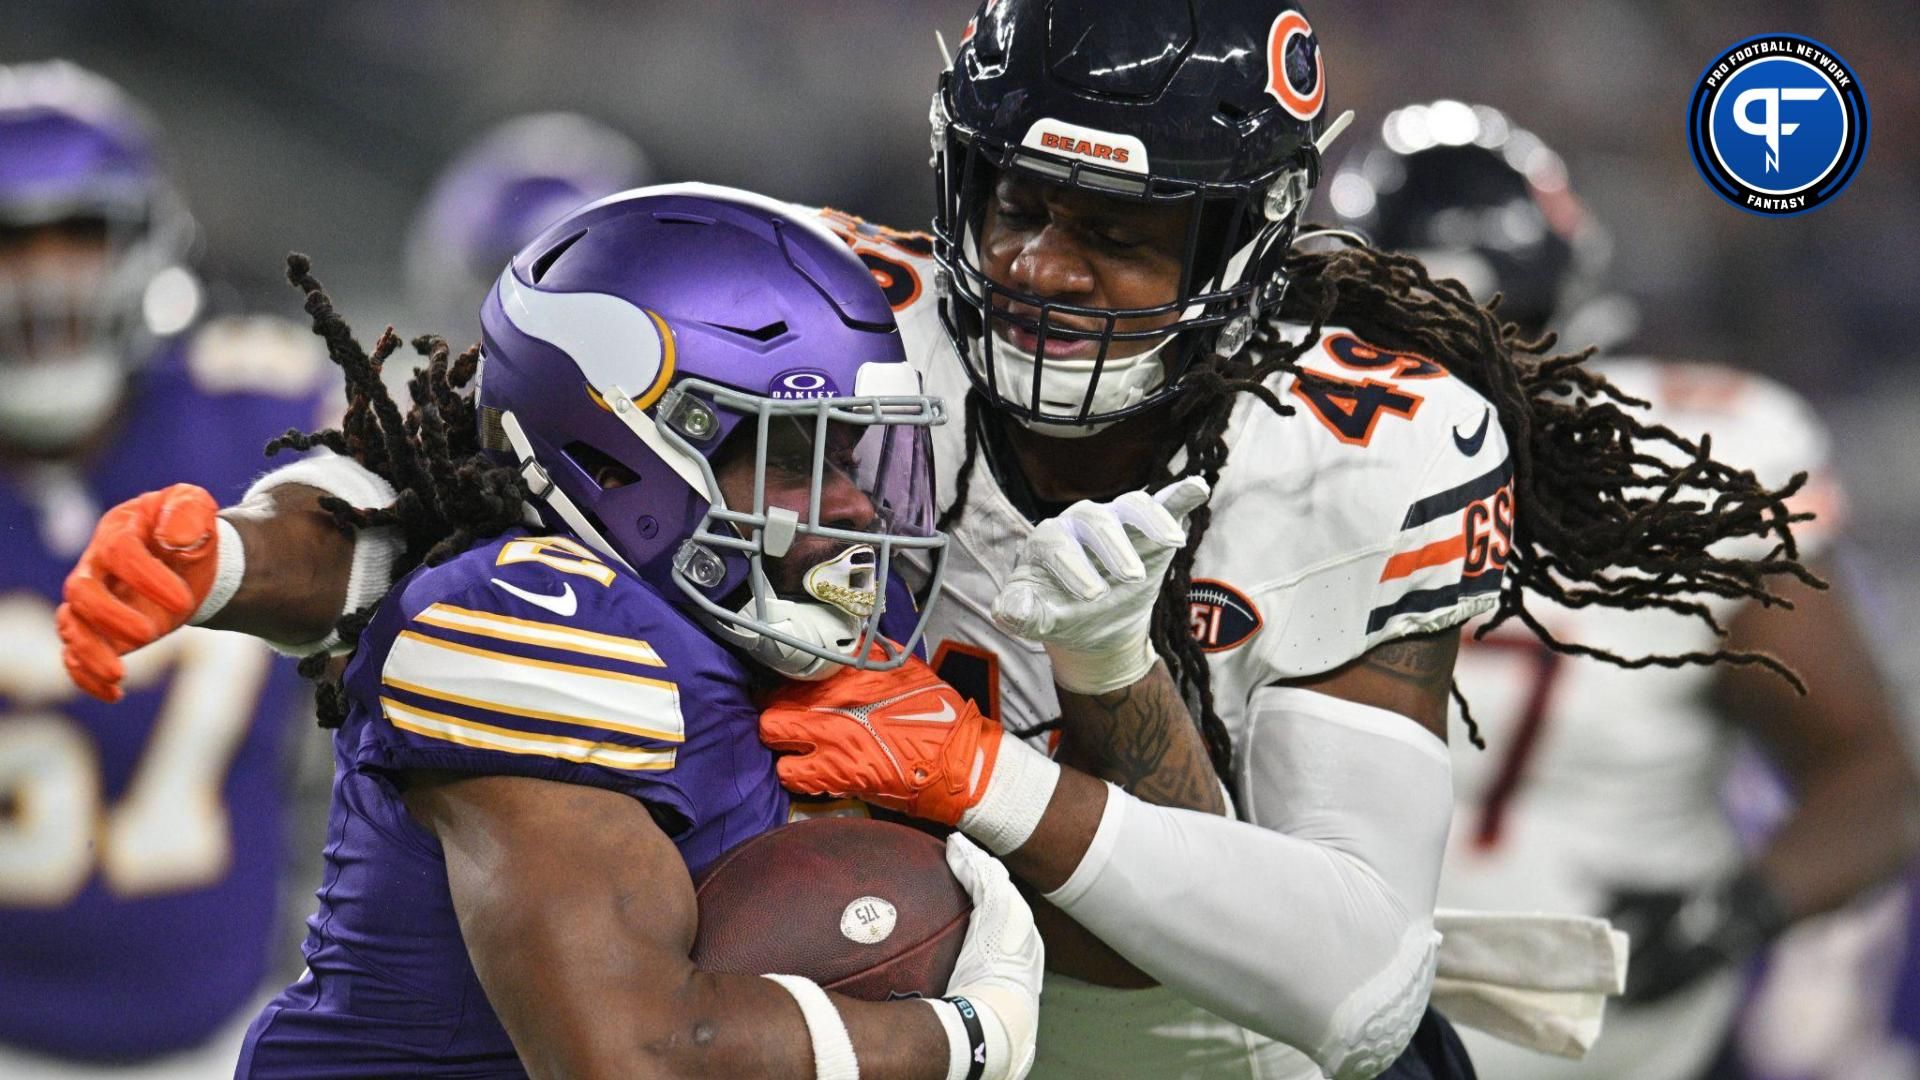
<point>536,478</point>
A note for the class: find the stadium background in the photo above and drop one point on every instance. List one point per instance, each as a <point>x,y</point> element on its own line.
<point>319,126</point>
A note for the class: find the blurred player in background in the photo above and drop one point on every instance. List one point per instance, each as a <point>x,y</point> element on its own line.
<point>1113,292</point>
<point>497,194</point>
<point>1601,790</point>
<point>140,846</point>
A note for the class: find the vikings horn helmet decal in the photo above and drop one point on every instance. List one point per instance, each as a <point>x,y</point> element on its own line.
<point>653,336</point>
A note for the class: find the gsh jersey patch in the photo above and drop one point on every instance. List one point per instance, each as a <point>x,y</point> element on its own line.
<point>1220,616</point>
<point>1778,124</point>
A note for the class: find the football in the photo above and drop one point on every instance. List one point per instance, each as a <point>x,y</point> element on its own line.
<point>864,908</point>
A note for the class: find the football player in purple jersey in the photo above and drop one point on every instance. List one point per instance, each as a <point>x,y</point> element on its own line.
<point>139,846</point>
<point>629,522</point>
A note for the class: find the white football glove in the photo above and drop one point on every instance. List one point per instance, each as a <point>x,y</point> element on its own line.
<point>1096,620</point>
<point>997,975</point>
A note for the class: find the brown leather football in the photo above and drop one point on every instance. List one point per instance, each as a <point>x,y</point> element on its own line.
<point>865,908</point>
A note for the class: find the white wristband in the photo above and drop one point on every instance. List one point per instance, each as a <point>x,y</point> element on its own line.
<point>832,1047</point>
<point>1016,797</point>
<point>229,566</point>
<point>341,477</point>
<point>1079,672</point>
<point>374,550</point>
<point>959,1043</point>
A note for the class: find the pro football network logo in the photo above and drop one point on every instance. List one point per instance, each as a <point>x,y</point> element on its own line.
<point>1778,124</point>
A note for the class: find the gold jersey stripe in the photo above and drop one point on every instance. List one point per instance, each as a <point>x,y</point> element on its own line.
<point>487,737</point>
<point>534,632</point>
<point>545,665</point>
<point>602,722</point>
<point>541,689</point>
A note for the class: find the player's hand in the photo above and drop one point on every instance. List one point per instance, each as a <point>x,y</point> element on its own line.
<point>1086,580</point>
<point>1001,961</point>
<point>146,571</point>
<point>1676,938</point>
<point>902,739</point>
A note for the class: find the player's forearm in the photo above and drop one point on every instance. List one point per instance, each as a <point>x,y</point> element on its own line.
<point>579,918</point>
<point>297,565</point>
<point>725,1026</point>
<point>1060,841</point>
<point>1142,739</point>
<point>1840,746</point>
<point>1293,938</point>
<point>1046,860</point>
<point>1856,824</point>
<point>1312,922</point>
<point>1139,738</point>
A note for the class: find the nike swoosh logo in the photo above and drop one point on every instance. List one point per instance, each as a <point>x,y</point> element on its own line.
<point>1470,444</point>
<point>563,604</point>
<point>946,715</point>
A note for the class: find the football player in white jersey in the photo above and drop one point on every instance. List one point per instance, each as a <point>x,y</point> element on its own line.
<point>1114,261</point>
<point>1601,790</point>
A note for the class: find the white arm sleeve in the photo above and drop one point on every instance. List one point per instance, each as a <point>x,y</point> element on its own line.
<point>1310,923</point>
<point>374,550</point>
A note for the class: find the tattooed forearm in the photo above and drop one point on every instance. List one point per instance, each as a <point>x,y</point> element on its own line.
<point>1143,739</point>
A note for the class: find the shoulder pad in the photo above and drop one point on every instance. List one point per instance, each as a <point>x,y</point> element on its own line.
<point>902,262</point>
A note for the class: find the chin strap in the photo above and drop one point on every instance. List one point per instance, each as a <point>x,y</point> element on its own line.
<point>544,490</point>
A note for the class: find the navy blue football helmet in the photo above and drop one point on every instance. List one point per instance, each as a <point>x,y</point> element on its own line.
<point>1214,107</point>
<point>1478,199</point>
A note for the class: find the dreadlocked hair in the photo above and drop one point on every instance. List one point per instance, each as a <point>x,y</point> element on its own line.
<point>448,494</point>
<point>1604,519</point>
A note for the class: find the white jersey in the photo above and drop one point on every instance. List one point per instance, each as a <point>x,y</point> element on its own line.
<point>1597,777</point>
<point>1382,508</point>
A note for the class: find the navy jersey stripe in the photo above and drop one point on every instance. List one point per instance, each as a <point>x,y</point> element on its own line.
<point>1455,499</point>
<point>1421,600</point>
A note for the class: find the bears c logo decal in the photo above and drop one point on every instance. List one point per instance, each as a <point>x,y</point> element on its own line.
<point>1296,75</point>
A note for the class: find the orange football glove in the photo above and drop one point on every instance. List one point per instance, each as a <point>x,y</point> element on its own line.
<point>149,566</point>
<point>901,739</point>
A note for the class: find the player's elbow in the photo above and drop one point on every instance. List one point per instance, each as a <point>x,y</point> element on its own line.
<point>1369,1016</point>
<point>1354,992</point>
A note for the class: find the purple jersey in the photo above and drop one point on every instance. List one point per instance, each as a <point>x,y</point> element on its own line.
<point>525,656</point>
<point>140,843</point>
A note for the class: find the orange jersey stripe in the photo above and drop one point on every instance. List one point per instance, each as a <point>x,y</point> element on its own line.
<point>1434,554</point>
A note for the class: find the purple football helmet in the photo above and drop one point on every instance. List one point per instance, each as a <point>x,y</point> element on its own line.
<point>670,336</point>
<point>78,165</point>
<point>499,193</point>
